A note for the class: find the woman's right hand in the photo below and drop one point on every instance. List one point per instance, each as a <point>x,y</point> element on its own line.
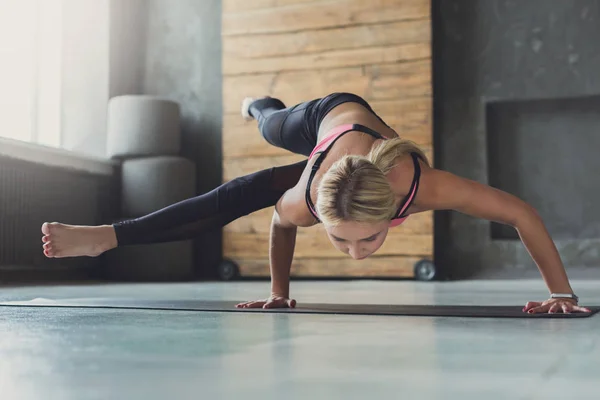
<point>273,301</point>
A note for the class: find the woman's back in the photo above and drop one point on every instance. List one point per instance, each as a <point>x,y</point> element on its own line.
<point>353,113</point>
<point>350,143</point>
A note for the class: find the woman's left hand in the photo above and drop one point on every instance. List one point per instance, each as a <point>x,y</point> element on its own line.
<point>552,306</point>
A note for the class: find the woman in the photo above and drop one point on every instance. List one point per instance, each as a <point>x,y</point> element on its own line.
<point>360,179</point>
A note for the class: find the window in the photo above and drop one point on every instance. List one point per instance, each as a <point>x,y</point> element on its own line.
<point>30,70</point>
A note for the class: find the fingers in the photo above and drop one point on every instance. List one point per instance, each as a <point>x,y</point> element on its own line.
<point>273,302</point>
<point>280,302</point>
<point>581,309</point>
<point>554,308</point>
<point>539,309</point>
<point>530,305</point>
<point>251,304</point>
<point>566,307</point>
<point>277,302</point>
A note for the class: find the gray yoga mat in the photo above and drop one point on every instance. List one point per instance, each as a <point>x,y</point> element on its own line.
<point>302,308</point>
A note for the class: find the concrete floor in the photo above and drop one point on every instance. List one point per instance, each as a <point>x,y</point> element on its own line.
<point>129,354</point>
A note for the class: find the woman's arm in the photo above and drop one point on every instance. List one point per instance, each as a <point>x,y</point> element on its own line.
<point>281,251</point>
<point>440,190</point>
<point>282,243</point>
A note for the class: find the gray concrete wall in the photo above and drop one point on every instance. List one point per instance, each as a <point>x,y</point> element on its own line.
<point>128,22</point>
<point>183,63</point>
<point>547,53</point>
<point>545,151</point>
<point>173,50</point>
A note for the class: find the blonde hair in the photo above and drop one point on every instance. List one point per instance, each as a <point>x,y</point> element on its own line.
<point>355,188</point>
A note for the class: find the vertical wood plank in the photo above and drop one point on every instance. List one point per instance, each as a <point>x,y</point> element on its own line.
<point>298,50</point>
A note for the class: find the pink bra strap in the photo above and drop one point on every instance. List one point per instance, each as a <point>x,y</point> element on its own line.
<point>334,133</point>
<point>409,201</point>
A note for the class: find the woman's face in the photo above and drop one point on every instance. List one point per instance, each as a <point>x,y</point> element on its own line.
<point>359,240</point>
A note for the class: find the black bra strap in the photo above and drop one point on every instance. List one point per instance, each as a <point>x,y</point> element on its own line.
<point>311,177</point>
<point>321,157</point>
<point>413,187</point>
<point>366,129</point>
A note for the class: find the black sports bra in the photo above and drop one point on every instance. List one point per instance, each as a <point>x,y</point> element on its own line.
<point>324,147</point>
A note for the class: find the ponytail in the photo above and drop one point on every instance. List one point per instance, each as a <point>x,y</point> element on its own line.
<point>355,188</point>
<point>384,156</point>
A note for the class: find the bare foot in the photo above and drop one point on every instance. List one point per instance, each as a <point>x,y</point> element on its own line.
<point>62,240</point>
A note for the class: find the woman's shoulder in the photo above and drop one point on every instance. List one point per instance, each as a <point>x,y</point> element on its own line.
<point>294,208</point>
<point>403,173</point>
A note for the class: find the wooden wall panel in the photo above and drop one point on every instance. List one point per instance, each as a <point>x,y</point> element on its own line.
<point>298,50</point>
<point>410,118</point>
<point>319,41</point>
<point>330,59</point>
<point>312,243</point>
<point>239,166</point>
<point>235,6</point>
<point>398,267</point>
<point>259,222</point>
<point>320,15</point>
<point>374,82</point>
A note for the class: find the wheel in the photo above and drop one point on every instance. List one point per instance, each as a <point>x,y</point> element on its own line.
<point>228,270</point>
<point>425,270</point>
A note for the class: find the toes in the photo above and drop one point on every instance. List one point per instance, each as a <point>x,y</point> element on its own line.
<point>50,251</point>
<point>49,227</point>
<point>45,239</point>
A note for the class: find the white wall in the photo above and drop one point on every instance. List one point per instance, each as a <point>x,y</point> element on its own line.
<point>85,75</point>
